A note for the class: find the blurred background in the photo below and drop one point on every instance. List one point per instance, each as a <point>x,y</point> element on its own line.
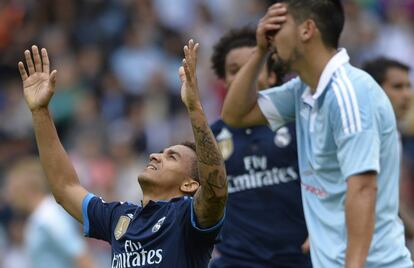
<point>118,92</point>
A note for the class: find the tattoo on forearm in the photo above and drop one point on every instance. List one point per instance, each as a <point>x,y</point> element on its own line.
<point>211,199</point>
<point>207,150</point>
<point>212,204</point>
<point>215,182</point>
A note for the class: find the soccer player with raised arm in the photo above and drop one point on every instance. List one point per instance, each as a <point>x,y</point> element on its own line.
<point>184,186</point>
<point>265,226</point>
<point>346,132</point>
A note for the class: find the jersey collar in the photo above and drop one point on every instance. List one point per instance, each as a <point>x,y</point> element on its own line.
<point>337,61</point>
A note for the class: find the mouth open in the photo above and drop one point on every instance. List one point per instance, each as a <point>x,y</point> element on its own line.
<point>151,166</point>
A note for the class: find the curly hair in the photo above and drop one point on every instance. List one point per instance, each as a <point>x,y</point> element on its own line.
<point>236,38</point>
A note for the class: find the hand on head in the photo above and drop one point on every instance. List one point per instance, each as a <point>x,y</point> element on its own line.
<point>270,24</point>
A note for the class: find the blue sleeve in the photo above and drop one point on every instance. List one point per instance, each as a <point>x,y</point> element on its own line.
<point>355,129</point>
<point>195,233</point>
<point>99,217</point>
<point>278,104</point>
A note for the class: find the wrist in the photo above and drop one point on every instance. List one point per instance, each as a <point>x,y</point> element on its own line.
<point>262,52</point>
<point>39,111</point>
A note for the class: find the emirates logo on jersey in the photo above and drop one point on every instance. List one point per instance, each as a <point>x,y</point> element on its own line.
<point>157,226</point>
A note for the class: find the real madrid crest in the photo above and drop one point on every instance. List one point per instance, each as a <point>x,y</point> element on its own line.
<point>121,226</point>
<point>225,143</point>
<point>282,137</point>
<point>157,226</point>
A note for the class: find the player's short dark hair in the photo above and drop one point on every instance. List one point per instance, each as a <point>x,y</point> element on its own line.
<point>236,38</point>
<point>378,67</point>
<point>194,167</point>
<point>328,15</point>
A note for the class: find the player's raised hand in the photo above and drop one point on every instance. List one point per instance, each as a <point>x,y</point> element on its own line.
<point>270,24</point>
<point>39,84</point>
<point>188,77</point>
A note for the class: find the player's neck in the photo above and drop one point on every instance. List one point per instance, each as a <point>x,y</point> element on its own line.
<point>313,64</point>
<point>147,197</point>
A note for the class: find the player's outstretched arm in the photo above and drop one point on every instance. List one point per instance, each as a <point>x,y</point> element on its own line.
<point>210,199</point>
<point>39,86</point>
<point>240,108</point>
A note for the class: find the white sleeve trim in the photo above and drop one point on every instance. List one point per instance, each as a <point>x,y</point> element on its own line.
<point>271,113</point>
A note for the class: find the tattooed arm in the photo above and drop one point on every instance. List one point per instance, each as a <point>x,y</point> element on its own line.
<point>210,199</point>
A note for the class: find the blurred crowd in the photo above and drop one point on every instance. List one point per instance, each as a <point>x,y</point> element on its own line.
<point>118,92</point>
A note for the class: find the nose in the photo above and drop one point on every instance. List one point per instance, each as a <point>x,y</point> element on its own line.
<point>155,157</point>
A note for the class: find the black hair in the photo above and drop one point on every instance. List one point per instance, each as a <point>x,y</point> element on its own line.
<point>328,15</point>
<point>378,67</point>
<point>278,68</point>
<point>194,168</point>
<point>236,38</point>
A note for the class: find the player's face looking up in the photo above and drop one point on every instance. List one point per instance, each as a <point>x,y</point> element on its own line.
<point>235,60</point>
<point>398,87</point>
<point>170,170</point>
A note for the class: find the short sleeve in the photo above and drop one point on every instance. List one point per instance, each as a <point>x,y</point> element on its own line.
<point>355,130</point>
<point>98,217</point>
<point>195,233</point>
<point>65,235</point>
<point>278,103</point>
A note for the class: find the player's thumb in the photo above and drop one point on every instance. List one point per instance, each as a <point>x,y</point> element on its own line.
<point>181,74</point>
<point>52,80</point>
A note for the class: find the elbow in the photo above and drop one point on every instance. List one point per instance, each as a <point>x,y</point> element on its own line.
<point>230,119</point>
<point>58,198</point>
<point>369,188</point>
<point>363,184</point>
<point>59,195</point>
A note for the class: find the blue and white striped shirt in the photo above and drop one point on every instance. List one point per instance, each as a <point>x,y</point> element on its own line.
<point>345,128</point>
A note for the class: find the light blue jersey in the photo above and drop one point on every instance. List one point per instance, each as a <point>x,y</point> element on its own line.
<point>347,127</point>
<point>52,238</point>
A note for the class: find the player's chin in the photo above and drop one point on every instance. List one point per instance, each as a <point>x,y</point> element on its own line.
<point>147,175</point>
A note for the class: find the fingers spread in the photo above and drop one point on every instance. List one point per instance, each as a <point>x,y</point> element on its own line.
<point>29,62</point>
<point>186,53</point>
<point>37,60</point>
<point>194,54</point>
<point>190,54</point>
<point>45,60</point>
<point>187,71</point>
<point>22,71</point>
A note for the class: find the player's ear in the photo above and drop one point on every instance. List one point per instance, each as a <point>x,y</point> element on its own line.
<point>189,186</point>
<point>307,30</point>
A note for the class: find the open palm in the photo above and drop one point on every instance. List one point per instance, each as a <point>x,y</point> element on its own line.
<point>39,85</point>
<point>187,73</point>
